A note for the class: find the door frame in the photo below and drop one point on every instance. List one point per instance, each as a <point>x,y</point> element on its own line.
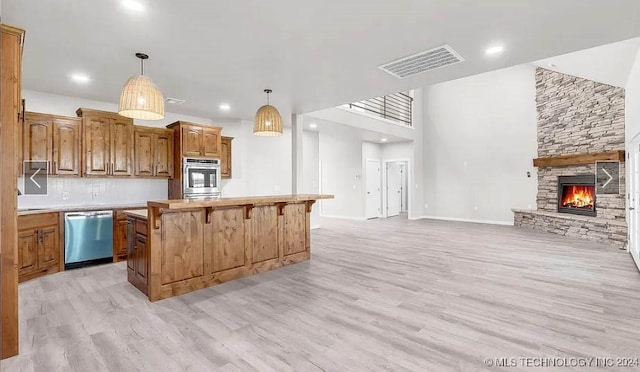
<point>380,181</point>
<point>409,183</point>
<point>630,150</point>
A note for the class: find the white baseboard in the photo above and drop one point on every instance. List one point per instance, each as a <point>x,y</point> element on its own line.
<point>344,218</point>
<point>488,222</point>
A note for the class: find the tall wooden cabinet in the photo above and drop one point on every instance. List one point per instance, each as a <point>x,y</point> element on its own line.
<point>52,139</point>
<point>107,143</point>
<point>11,115</point>
<point>153,152</point>
<point>191,140</point>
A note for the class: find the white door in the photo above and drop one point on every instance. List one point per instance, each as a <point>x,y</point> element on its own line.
<point>394,189</point>
<point>634,202</point>
<point>405,189</point>
<point>373,184</point>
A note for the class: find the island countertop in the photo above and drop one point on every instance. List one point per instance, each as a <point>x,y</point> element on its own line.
<point>223,202</point>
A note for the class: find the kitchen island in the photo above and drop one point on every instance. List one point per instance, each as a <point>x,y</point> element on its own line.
<point>179,246</point>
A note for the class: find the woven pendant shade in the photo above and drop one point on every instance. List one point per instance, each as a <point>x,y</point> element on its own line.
<point>268,121</point>
<point>141,98</point>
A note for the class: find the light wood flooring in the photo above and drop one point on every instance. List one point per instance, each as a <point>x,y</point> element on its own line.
<point>381,295</point>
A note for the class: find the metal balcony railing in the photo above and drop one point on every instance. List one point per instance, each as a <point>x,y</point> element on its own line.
<point>397,107</point>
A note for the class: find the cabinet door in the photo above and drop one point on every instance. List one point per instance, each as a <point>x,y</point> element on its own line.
<point>225,157</point>
<point>141,258</point>
<point>212,142</point>
<point>48,249</point>
<point>121,147</point>
<point>27,251</point>
<point>66,147</point>
<point>131,244</point>
<point>143,143</point>
<point>38,140</point>
<point>163,154</point>
<point>97,141</point>
<point>192,138</point>
<point>120,237</point>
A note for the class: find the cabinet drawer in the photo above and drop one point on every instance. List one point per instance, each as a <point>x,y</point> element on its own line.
<point>34,221</point>
<point>141,227</point>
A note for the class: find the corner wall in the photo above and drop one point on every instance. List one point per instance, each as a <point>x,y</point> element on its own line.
<point>479,142</point>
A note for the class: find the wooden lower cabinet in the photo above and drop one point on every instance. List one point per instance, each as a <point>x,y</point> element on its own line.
<point>120,243</point>
<point>38,245</point>
<point>137,253</point>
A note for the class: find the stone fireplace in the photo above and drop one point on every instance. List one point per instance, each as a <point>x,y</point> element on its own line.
<point>578,120</point>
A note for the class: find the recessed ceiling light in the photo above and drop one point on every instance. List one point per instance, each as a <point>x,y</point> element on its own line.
<point>224,107</point>
<point>495,50</point>
<point>383,140</point>
<point>133,5</point>
<point>80,78</point>
<point>313,125</point>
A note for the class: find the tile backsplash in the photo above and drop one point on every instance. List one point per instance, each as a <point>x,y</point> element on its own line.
<point>63,192</point>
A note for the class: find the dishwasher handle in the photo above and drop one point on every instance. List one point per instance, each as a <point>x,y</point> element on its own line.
<point>101,214</point>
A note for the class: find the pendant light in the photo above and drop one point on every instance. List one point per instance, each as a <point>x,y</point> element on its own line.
<point>268,120</point>
<point>140,97</point>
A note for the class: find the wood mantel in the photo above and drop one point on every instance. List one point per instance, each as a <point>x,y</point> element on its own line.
<point>578,159</point>
<point>192,244</point>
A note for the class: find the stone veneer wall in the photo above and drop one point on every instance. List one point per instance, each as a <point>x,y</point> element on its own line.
<point>577,116</point>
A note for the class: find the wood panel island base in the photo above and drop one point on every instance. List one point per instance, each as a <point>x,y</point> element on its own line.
<point>180,246</point>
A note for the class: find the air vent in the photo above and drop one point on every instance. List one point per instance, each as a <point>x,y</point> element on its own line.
<point>174,101</point>
<point>422,62</point>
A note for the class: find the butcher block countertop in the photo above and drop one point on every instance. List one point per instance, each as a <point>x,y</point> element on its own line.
<point>223,202</point>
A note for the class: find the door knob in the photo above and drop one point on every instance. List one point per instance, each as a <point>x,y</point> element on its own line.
<point>632,209</point>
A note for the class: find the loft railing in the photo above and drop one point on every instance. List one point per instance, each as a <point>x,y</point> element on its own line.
<point>397,106</point>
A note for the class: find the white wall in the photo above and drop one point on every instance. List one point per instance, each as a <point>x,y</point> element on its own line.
<point>340,154</point>
<point>311,170</point>
<point>479,142</point>
<point>261,165</point>
<point>632,102</point>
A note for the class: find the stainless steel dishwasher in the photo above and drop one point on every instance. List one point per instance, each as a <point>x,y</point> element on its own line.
<point>88,238</point>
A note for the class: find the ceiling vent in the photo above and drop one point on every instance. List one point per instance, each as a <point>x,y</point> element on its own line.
<point>422,62</point>
<point>174,101</point>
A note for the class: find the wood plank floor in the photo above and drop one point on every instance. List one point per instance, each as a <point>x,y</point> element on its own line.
<point>388,295</point>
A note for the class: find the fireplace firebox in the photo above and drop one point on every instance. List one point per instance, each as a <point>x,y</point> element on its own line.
<point>577,195</point>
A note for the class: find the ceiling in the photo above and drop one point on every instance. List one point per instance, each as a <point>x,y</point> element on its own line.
<point>314,55</point>
<point>610,64</point>
<point>340,130</point>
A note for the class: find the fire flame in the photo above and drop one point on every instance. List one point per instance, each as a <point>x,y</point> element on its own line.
<point>577,197</point>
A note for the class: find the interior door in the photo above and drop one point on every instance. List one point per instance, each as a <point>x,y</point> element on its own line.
<point>394,189</point>
<point>634,203</point>
<point>373,185</point>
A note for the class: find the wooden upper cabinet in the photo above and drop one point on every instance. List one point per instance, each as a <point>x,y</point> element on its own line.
<point>107,143</point>
<point>66,147</point>
<point>121,147</point>
<point>38,139</point>
<point>192,141</point>
<point>143,153</point>
<point>163,154</point>
<point>97,142</point>
<point>197,140</point>
<point>153,152</point>
<point>211,142</point>
<point>53,139</point>
<point>225,157</point>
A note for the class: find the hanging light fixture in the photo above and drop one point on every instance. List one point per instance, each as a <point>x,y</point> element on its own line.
<point>268,120</point>
<point>140,97</point>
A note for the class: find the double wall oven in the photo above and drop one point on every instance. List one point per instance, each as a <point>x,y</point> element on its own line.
<point>201,178</point>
